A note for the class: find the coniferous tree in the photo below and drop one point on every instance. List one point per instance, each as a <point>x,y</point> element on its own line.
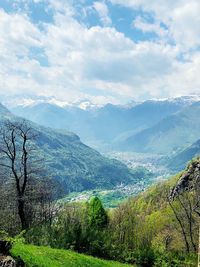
<point>97,222</point>
<point>97,215</point>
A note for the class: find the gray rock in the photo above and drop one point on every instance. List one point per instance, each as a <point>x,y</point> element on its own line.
<point>7,261</point>
<point>189,180</point>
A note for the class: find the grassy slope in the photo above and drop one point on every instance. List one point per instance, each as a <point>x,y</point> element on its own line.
<point>47,257</point>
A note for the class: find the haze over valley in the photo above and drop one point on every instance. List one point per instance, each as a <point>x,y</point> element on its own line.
<point>153,136</point>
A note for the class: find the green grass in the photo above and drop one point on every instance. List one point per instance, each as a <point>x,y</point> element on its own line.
<point>35,256</point>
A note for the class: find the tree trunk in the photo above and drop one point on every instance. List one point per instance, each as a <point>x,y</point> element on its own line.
<point>21,213</point>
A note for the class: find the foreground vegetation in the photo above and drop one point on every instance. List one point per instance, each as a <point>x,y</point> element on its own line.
<point>35,256</point>
<point>143,231</point>
<point>148,230</point>
<point>159,227</point>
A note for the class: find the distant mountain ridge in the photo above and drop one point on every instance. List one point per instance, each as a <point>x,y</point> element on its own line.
<point>30,100</point>
<point>110,125</point>
<point>170,134</point>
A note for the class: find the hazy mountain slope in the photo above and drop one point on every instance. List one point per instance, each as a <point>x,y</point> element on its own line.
<point>111,121</point>
<point>50,115</point>
<point>47,115</point>
<point>4,112</point>
<point>74,165</point>
<point>108,124</point>
<point>179,161</point>
<point>170,134</point>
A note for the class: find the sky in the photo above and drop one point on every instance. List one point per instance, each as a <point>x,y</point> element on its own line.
<point>106,51</point>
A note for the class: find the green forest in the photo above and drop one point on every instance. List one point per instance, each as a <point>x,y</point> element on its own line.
<point>158,227</point>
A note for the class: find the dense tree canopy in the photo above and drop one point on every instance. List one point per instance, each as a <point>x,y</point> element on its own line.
<point>97,215</point>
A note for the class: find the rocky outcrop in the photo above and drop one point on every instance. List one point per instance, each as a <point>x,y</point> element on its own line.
<point>5,259</point>
<point>189,180</point>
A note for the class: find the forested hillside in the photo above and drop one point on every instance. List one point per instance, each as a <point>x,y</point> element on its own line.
<point>156,228</point>
<point>73,165</point>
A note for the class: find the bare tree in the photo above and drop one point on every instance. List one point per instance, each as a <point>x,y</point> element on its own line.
<point>16,147</point>
<point>181,224</point>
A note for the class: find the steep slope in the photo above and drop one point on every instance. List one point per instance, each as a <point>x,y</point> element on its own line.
<point>72,164</point>
<point>169,135</point>
<point>179,161</point>
<point>189,180</point>
<point>47,257</point>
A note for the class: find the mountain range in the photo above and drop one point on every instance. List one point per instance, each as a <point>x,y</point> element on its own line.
<point>155,126</point>
<point>174,132</point>
<point>72,164</point>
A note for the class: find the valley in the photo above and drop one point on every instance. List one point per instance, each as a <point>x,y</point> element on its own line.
<point>148,168</point>
<point>114,131</point>
<point>109,176</point>
<point>154,163</point>
<point>110,198</point>
<point>99,133</point>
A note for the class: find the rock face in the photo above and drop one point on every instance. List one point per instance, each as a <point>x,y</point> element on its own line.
<point>5,259</point>
<point>189,180</point>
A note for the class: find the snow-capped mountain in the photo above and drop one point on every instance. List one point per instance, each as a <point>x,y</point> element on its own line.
<point>30,100</point>
<point>187,100</point>
<point>85,104</point>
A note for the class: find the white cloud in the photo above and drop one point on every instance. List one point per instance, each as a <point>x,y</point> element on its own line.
<point>98,63</point>
<point>145,26</point>
<point>63,6</point>
<point>180,16</point>
<point>185,77</point>
<point>185,24</point>
<point>17,37</point>
<point>18,34</point>
<point>103,13</point>
<point>103,58</point>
